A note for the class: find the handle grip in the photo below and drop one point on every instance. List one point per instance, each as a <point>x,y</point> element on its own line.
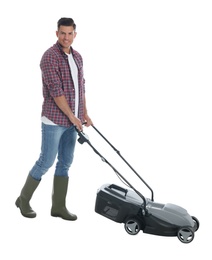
<point>116,187</point>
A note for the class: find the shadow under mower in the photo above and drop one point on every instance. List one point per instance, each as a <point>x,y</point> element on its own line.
<point>137,212</point>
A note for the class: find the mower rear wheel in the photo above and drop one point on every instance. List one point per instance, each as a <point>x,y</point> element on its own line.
<point>132,226</point>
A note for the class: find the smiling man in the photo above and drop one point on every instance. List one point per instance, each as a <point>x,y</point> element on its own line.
<point>63,110</point>
<point>66,35</point>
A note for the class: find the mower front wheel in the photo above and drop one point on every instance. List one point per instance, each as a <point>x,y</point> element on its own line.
<point>185,234</point>
<point>196,223</point>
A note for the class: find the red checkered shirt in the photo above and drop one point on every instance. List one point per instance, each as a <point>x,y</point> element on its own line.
<point>57,81</point>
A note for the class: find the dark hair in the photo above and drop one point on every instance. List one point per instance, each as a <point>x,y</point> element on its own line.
<point>66,22</point>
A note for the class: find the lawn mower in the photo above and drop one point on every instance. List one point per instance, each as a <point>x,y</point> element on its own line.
<point>129,206</point>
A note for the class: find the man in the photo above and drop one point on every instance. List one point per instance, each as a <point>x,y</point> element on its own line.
<point>63,110</point>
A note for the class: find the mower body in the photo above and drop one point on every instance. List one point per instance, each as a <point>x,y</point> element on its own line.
<point>126,206</point>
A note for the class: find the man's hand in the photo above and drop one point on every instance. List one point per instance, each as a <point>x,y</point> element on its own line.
<point>63,105</point>
<point>76,122</point>
<point>88,121</point>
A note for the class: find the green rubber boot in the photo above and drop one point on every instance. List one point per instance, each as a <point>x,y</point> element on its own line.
<point>60,186</point>
<point>22,201</point>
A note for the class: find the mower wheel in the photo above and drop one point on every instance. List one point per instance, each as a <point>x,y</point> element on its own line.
<point>185,234</point>
<point>132,226</point>
<point>196,223</point>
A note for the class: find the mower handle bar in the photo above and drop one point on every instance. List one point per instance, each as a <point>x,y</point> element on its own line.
<point>84,138</point>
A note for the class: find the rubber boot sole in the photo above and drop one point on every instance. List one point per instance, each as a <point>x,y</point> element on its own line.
<point>26,215</point>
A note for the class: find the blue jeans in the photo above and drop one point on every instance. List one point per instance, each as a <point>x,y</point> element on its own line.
<point>56,141</point>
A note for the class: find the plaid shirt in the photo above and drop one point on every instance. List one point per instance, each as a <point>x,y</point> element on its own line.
<point>57,81</point>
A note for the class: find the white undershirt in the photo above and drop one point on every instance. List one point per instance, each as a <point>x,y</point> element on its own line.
<point>74,74</point>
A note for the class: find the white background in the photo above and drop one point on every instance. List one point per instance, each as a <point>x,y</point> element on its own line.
<point>148,79</point>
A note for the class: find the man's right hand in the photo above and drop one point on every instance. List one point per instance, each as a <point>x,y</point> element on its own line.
<point>77,123</point>
<point>63,105</point>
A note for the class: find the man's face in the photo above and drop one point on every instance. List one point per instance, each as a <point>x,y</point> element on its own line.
<point>66,35</point>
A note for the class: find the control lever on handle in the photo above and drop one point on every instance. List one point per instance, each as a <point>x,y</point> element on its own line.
<point>82,137</point>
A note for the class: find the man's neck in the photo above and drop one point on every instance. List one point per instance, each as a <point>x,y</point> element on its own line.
<point>67,50</point>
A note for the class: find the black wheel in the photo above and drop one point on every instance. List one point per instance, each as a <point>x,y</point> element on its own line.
<point>185,234</point>
<point>132,226</point>
<point>196,223</point>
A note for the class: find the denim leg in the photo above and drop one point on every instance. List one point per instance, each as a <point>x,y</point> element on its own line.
<point>66,152</point>
<point>51,136</point>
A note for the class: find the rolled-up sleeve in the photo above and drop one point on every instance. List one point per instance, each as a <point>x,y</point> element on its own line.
<point>51,76</point>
